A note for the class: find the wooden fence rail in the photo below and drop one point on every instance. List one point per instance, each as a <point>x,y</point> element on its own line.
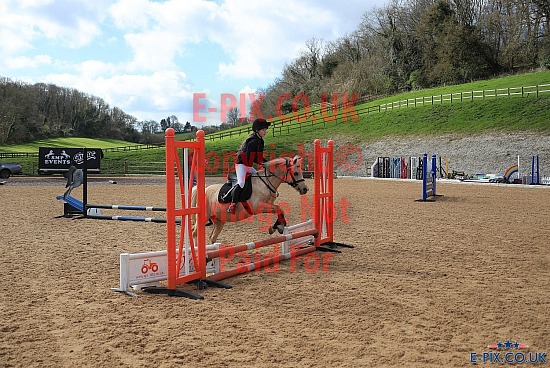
<point>296,121</point>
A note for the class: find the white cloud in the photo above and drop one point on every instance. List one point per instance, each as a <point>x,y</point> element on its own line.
<point>257,37</point>
<point>21,62</point>
<point>33,3</point>
<point>25,25</point>
<point>30,28</point>
<point>80,32</point>
<point>131,14</point>
<point>16,33</point>
<point>91,69</point>
<point>130,52</point>
<point>159,92</point>
<point>158,32</point>
<point>153,50</point>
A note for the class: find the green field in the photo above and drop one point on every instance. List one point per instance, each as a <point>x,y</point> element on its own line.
<point>470,116</point>
<point>66,143</point>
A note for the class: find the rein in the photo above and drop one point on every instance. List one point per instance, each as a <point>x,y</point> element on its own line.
<point>268,183</point>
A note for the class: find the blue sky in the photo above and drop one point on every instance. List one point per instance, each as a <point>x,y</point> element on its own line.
<point>149,58</point>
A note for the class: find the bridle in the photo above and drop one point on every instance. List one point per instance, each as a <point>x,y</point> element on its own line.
<point>289,172</point>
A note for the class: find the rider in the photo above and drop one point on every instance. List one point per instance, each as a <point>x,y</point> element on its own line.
<point>251,151</point>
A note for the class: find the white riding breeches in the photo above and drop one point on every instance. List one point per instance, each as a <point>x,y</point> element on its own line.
<point>241,170</point>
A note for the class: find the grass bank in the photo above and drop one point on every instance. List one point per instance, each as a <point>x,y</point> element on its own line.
<point>502,114</point>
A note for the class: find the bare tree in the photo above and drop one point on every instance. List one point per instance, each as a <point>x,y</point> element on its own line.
<point>233,117</point>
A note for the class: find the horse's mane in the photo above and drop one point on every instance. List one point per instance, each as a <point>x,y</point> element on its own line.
<point>277,161</point>
<point>283,162</point>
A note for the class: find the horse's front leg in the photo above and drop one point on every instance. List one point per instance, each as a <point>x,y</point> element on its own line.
<point>280,223</point>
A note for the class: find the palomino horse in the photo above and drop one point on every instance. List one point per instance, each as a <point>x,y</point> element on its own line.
<point>264,192</point>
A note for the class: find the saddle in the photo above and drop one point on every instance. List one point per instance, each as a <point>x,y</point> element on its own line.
<point>225,194</point>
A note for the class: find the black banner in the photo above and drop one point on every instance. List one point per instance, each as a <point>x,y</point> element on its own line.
<point>58,160</point>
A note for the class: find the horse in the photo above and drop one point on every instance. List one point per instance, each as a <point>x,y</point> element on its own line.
<point>264,186</point>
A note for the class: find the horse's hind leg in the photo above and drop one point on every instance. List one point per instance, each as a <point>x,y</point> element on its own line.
<point>218,226</point>
<point>194,228</point>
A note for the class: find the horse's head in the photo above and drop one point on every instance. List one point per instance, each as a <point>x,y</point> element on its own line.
<point>291,173</point>
<point>288,170</point>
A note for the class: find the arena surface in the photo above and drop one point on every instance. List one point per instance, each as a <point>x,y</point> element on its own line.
<point>426,285</point>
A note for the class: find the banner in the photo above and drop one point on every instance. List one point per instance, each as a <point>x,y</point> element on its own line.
<point>58,160</point>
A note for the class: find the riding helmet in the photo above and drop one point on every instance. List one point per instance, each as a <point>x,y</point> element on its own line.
<point>260,124</point>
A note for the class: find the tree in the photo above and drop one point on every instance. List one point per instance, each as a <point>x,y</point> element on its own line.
<point>450,52</point>
<point>233,117</point>
<point>30,112</point>
<point>178,127</point>
<point>149,127</point>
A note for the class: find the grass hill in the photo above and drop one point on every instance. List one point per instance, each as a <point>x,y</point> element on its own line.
<point>66,143</point>
<point>507,114</point>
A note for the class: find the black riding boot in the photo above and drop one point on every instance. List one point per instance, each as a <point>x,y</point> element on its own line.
<point>236,197</point>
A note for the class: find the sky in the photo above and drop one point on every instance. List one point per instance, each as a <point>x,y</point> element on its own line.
<point>155,58</point>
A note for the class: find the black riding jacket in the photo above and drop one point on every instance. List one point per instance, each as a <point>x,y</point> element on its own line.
<point>251,151</point>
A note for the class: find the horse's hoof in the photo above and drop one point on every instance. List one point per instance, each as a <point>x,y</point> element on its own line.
<point>271,230</point>
<point>280,229</point>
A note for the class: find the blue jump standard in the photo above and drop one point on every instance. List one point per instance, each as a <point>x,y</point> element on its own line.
<point>79,206</point>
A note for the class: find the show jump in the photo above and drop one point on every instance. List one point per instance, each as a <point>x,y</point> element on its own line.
<point>187,258</point>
